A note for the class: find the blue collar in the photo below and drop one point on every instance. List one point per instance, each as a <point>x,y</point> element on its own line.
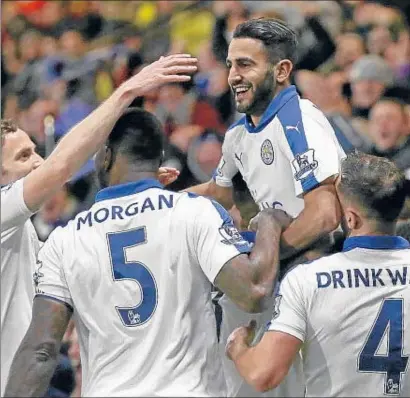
<point>376,243</point>
<point>130,188</point>
<point>272,110</point>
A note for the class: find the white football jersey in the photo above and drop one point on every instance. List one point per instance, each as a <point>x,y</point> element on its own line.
<point>137,269</point>
<point>351,310</point>
<point>19,248</point>
<point>292,150</point>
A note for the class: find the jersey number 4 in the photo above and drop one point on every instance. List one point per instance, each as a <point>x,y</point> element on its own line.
<point>388,324</point>
<point>124,270</point>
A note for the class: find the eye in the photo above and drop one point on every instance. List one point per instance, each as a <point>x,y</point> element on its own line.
<point>24,156</point>
<point>244,64</point>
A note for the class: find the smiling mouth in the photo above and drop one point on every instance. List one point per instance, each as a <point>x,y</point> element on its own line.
<point>241,91</point>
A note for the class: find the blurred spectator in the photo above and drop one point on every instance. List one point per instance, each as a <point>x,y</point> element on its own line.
<point>229,14</point>
<point>204,154</point>
<point>389,132</point>
<point>370,76</point>
<point>184,114</point>
<point>56,212</point>
<point>211,82</point>
<point>349,48</point>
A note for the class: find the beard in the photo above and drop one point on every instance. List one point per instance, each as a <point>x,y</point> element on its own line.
<point>262,96</point>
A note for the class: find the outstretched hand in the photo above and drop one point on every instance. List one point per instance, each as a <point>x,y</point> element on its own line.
<point>170,69</point>
<point>167,175</point>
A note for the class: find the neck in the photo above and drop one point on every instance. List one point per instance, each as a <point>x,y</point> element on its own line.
<point>134,176</point>
<point>376,229</point>
<point>256,117</point>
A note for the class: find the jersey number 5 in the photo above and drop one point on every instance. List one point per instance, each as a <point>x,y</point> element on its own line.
<point>124,270</point>
<point>389,321</point>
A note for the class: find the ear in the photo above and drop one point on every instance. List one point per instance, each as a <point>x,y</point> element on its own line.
<point>283,70</point>
<point>353,218</point>
<point>108,159</point>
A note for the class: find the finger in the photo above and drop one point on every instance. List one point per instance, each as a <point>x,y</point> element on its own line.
<point>180,61</point>
<point>179,70</point>
<point>176,78</point>
<point>165,168</point>
<point>176,56</point>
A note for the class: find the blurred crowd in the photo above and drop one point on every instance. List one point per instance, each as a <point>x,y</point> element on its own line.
<point>60,59</point>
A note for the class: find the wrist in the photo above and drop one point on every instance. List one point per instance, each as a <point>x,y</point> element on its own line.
<point>269,216</point>
<point>123,97</point>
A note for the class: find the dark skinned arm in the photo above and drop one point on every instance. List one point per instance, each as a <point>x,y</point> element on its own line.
<point>249,281</point>
<point>37,356</point>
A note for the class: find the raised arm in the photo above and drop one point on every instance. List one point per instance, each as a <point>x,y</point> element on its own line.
<point>249,281</point>
<point>320,216</point>
<point>87,137</point>
<point>212,190</point>
<point>37,356</point>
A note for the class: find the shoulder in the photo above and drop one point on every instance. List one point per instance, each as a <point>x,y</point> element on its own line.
<point>55,242</point>
<point>311,114</point>
<point>239,124</point>
<point>9,189</point>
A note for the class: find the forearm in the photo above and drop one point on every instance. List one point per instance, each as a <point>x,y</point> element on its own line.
<point>74,149</point>
<point>31,372</point>
<point>253,367</point>
<point>90,134</point>
<point>211,190</point>
<point>265,254</point>
<point>306,229</point>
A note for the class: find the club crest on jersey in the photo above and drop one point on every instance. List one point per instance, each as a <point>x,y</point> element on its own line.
<point>231,235</point>
<point>304,164</point>
<point>276,311</point>
<point>38,275</point>
<point>267,154</point>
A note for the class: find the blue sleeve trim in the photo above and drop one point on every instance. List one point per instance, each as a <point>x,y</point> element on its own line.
<point>223,213</point>
<point>240,122</point>
<point>309,183</point>
<point>46,296</point>
<point>290,116</point>
<point>250,236</point>
<point>236,239</point>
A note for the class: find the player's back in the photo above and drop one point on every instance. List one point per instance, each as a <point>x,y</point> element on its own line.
<point>358,315</point>
<point>142,302</point>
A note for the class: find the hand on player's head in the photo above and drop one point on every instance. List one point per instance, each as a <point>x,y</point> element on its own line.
<point>282,218</point>
<point>170,69</point>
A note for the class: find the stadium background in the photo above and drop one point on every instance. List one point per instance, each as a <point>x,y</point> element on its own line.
<point>60,59</point>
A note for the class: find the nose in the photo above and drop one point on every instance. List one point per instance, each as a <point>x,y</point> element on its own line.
<point>38,160</point>
<point>234,77</point>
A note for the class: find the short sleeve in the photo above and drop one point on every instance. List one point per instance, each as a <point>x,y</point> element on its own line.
<point>14,211</point>
<point>215,239</point>
<point>49,278</point>
<point>290,313</point>
<point>315,153</point>
<point>226,169</point>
